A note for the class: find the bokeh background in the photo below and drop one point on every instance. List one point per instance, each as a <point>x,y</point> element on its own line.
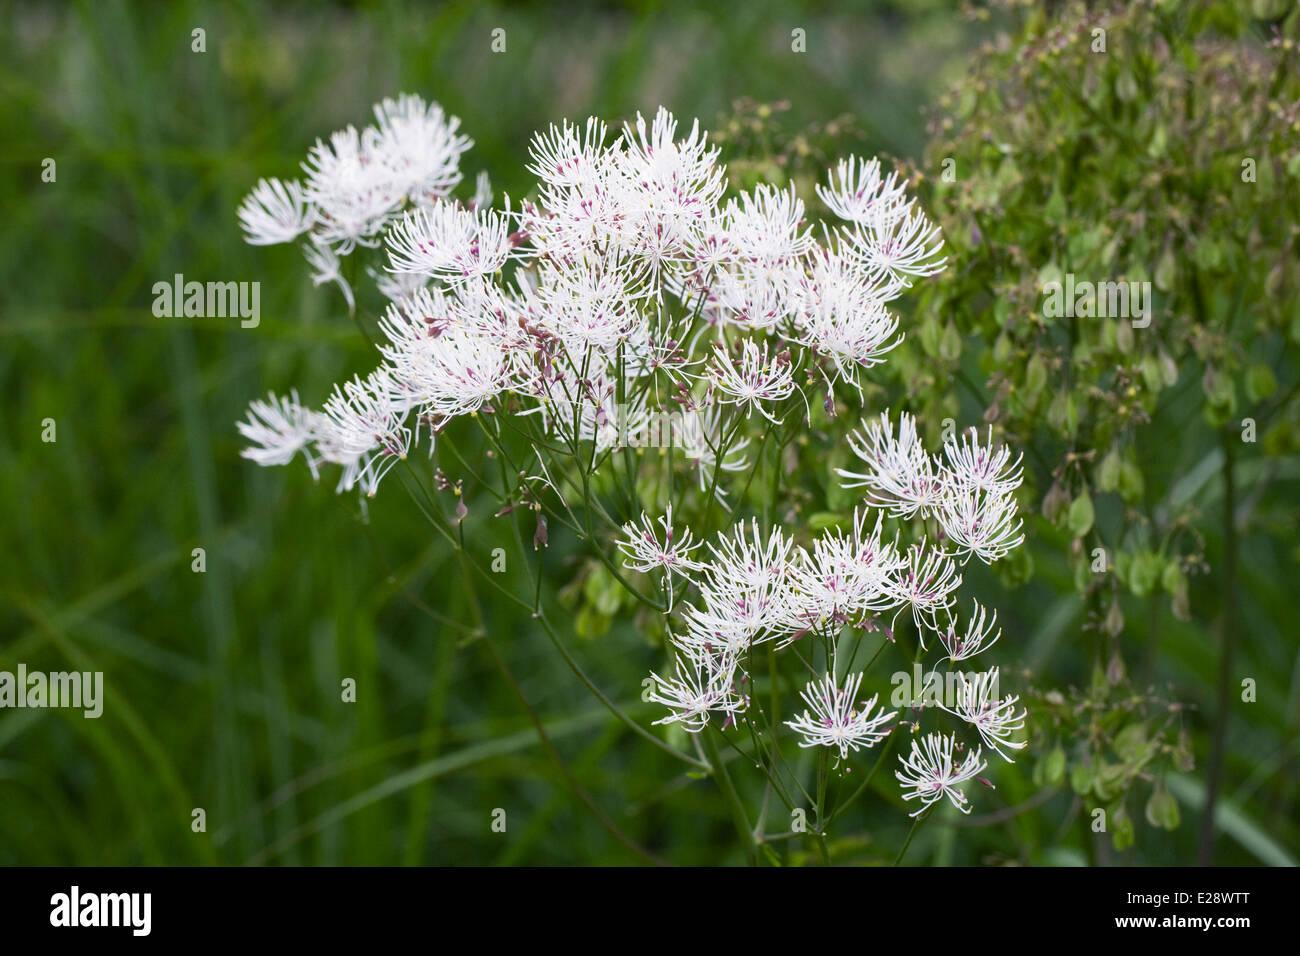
<point>223,687</point>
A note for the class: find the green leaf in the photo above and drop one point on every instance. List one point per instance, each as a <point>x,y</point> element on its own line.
<point>1108,471</point>
<point>1124,337</point>
<point>1115,669</point>
<point>1144,573</point>
<point>1131,483</point>
<point>1002,348</point>
<point>1035,379</point>
<point>1180,604</point>
<point>603,591</point>
<point>1054,211</point>
<point>1207,254</point>
<point>1126,89</point>
<point>1162,808</point>
<point>1131,741</point>
<point>950,343</point>
<point>1153,374</point>
<point>1230,819</point>
<point>929,335</point>
<point>1054,767</point>
<point>821,520</point>
<point>1114,624</point>
<point>1080,516</point>
<point>590,623</point>
<point>1017,568</point>
<point>1159,140</point>
<point>1172,579</point>
<point>1080,779</point>
<point>1166,270</point>
<point>1122,832</point>
<point>1260,382</point>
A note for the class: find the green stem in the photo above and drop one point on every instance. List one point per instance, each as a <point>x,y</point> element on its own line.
<point>548,745</point>
<point>910,833</point>
<point>1214,772</point>
<point>728,789</point>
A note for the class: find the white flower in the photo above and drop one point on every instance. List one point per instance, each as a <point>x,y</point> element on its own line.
<point>754,297</point>
<point>626,286</point>
<point>355,192</point>
<point>482,191</point>
<point>735,619</point>
<point>275,212</point>
<point>996,720</point>
<point>582,197</point>
<point>741,589</point>
<point>765,242</point>
<point>450,374</point>
<point>986,468</point>
<point>678,184</point>
<point>358,180</point>
<point>565,159</point>
<point>858,194</point>
<point>645,552</point>
<point>970,494</point>
<point>397,287</point>
<point>703,684</point>
<point>659,349</point>
<point>766,227</point>
<point>278,429</point>
<point>745,560</point>
<point>933,770</point>
<point>899,476</point>
<point>578,409</point>
<point>419,147</point>
<point>835,719</point>
<point>976,637</point>
<point>596,305</point>
<point>449,242</point>
<point>842,314</point>
<point>844,577</point>
<point>980,523</point>
<point>888,235</point>
<point>326,267</point>
<point>753,379</point>
<point>899,245</point>
<point>926,584</point>
<point>700,437</point>
<point>363,430</point>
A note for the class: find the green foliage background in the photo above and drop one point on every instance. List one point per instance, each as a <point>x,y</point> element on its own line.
<point>223,687</point>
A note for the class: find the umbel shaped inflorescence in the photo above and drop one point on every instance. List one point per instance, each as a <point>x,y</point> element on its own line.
<point>630,282</point>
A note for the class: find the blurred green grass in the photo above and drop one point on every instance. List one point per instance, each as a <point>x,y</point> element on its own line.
<point>224,686</point>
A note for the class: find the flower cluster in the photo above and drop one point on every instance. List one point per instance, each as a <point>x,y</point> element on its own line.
<point>758,588</point>
<point>630,280</point>
<point>968,490</point>
<point>625,279</point>
<point>357,183</point>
